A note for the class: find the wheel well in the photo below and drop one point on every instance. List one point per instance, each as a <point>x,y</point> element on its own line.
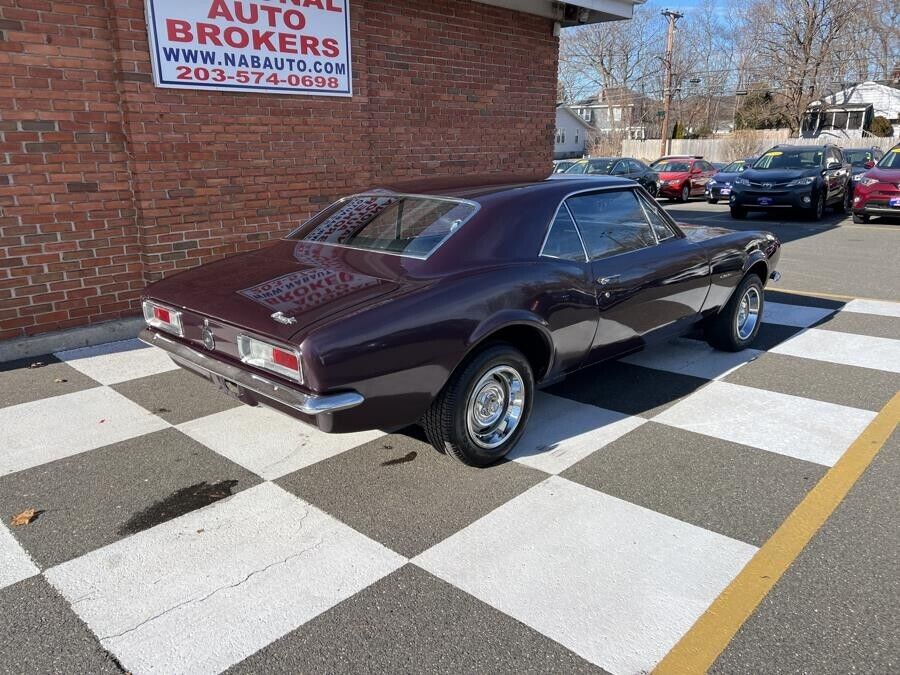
<point>530,341</point>
<point>760,269</point>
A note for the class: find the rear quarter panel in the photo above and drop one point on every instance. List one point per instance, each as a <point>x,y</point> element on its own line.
<point>400,352</point>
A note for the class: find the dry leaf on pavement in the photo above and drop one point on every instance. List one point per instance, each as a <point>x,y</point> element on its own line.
<point>23,518</point>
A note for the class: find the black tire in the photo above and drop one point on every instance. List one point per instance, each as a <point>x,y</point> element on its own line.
<point>738,212</point>
<point>445,422</point>
<point>844,205</point>
<point>860,218</point>
<point>818,211</point>
<point>712,201</point>
<point>722,330</point>
<point>685,195</point>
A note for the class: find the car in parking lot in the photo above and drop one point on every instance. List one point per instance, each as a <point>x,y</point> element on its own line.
<point>446,304</point>
<point>682,177</point>
<point>877,192</point>
<point>802,178</point>
<point>626,167</point>
<point>560,165</point>
<point>861,160</point>
<point>719,185</point>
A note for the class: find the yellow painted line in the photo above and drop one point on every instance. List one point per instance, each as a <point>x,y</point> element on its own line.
<point>707,638</point>
<point>817,294</point>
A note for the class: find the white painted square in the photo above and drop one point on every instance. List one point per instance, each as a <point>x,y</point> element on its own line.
<point>268,442</point>
<point>15,563</point>
<point>880,307</point>
<point>691,357</point>
<point>204,591</point>
<point>116,362</point>
<point>614,582</point>
<point>561,432</point>
<point>793,315</point>
<point>798,427</point>
<point>848,349</point>
<point>61,426</point>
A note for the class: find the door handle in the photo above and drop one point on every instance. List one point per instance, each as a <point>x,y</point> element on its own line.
<point>604,281</point>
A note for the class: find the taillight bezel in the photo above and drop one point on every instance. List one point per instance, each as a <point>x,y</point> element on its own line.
<point>175,325</point>
<point>245,344</point>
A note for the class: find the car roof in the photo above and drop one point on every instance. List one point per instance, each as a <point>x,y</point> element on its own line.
<point>490,188</point>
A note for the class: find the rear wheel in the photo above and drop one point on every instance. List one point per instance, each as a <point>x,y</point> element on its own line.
<point>860,218</point>
<point>736,326</point>
<point>481,413</point>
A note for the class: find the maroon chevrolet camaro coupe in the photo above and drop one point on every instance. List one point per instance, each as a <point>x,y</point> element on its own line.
<point>446,305</point>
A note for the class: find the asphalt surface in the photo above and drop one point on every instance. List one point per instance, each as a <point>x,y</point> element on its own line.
<point>831,256</point>
<point>168,513</point>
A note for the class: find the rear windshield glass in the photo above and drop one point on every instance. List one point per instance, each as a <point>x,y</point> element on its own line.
<point>858,157</point>
<point>735,167</point>
<point>891,159</point>
<point>790,159</point>
<point>666,166</point>
<point>410,226</point>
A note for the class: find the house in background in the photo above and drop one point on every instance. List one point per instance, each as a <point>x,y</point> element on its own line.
<point>617,111</point>
<point>573,134</point>
<point>849,113</point>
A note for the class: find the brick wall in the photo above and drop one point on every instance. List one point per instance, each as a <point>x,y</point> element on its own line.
<point>109,183</point>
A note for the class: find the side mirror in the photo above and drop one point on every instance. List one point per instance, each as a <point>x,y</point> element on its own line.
<point>870,164</point>
<point>831,166</point>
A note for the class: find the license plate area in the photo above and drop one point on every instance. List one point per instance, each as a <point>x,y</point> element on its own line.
<point>232,389</point>
<point>726,191</point>
<point>764,201</point>
<point>894,202</point>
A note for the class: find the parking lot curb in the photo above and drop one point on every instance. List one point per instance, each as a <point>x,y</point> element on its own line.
<point>84,336</point>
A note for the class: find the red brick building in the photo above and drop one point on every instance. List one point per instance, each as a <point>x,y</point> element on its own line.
<point>110,182</point>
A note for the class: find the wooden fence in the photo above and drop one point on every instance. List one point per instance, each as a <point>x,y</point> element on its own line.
<point>741,145</point>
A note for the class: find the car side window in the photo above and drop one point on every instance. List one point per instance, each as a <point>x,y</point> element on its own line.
<point>657,221</point>
<point>611,222</point>
<point>563,240</point>
<point>636,167</point>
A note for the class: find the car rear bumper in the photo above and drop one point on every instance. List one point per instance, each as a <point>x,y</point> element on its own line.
<point>252,388</point>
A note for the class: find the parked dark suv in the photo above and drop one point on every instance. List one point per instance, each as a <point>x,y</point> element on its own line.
<point>805,178</point>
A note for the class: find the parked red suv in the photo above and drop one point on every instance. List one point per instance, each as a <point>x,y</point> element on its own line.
<point>877,191</point>
<point>683,177</point>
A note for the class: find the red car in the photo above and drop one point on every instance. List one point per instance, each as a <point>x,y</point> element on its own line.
<point>877,191</point>
<point>683,177</point>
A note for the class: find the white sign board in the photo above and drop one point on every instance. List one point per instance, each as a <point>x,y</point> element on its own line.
<point>267,46</point>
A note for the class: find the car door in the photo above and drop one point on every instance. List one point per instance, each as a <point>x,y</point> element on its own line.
<point>649,279</point>
<point>834,174</point>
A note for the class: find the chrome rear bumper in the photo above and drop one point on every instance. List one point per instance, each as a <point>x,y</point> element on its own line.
<point>212,368</point>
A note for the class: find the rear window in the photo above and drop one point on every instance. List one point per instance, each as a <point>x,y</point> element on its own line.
<point>413,226</point>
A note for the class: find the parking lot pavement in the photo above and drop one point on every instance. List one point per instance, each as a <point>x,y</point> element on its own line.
<point>178,531</point>
<point>831,256</point>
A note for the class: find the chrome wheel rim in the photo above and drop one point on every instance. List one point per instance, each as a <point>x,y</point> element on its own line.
<point>685,193</point>
<point>748,313</point>
<point>495,407</point>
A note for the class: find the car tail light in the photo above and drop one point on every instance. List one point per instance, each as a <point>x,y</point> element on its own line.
<point>162,317</point>
<point>263,355</point>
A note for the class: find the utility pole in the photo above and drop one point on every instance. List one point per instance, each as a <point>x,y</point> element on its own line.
<point>671,17</point>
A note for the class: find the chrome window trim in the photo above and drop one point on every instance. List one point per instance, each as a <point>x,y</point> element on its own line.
<point>645,205</point>
<point>623,188</point>
<point>388,193</point>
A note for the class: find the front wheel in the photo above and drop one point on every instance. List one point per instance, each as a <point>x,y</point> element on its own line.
<point>860,218</point>
<point>686,193</point>
<point>819,209</point>
<point>712,200</point>
<point>480,414</point>
<point>736,326</point>
<point>738,212</point>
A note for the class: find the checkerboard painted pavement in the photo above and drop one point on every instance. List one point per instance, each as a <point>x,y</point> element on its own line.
<point>181,532</point>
